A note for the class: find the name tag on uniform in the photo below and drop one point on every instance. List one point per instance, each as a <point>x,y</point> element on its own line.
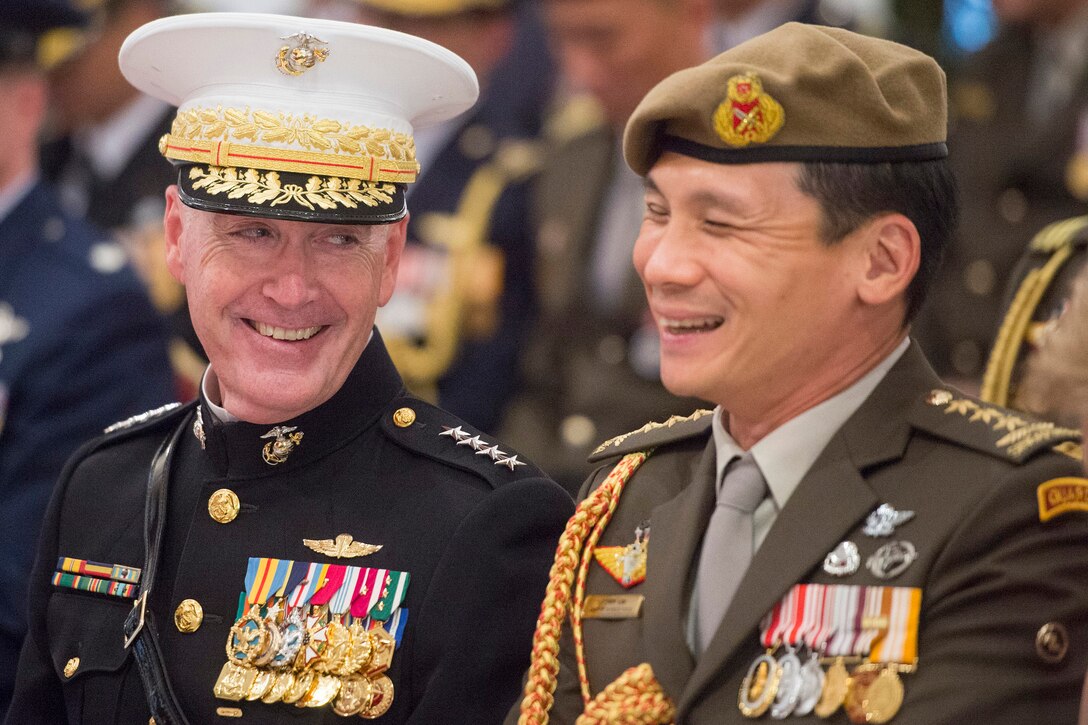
<point>612,606</point>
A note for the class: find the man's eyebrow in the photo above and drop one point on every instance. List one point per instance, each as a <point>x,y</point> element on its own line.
<point>702,198</point>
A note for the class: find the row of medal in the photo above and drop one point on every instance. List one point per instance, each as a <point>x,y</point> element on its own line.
<point>816,626</point>
<point>312,635</point>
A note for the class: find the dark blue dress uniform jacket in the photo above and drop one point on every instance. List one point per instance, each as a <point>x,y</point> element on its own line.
<point>89,350</point>
<point>476,538</point>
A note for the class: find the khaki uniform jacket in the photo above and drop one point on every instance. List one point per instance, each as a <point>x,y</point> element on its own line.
<point>991,573</point>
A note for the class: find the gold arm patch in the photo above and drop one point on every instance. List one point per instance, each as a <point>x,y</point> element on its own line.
<point>1062,495</point>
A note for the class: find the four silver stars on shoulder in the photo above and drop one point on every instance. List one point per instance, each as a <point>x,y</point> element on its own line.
<point>482,447</point>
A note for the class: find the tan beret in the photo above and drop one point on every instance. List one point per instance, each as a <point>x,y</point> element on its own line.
<point>797,93</point>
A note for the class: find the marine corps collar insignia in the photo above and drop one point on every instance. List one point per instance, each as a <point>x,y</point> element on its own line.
<point>748,115</point>
<point>307,52</point>
<point>342,548</point>
<point>626,564</point>
<point>276,452</point>
<point>198,428</point>
<point>883,521</point>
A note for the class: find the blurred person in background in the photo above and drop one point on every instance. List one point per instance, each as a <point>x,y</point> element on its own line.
<point>463,309</point>
<point>1020,137</point>
<point>100,150</point>
<point>590,364</point>
<point>80,345</point>
<point>739,20</point>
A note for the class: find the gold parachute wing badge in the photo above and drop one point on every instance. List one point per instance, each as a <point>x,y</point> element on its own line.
<point>342,548</point>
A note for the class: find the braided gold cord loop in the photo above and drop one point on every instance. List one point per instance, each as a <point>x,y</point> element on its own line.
<point>543,670</point>
<point>634,698</point>
<point>580,593</point>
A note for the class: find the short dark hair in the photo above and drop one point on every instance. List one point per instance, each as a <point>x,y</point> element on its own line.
<point>850,194</point>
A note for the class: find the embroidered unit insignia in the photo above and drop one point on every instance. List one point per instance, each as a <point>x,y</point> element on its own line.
<point>482,447</point>
<point>276,452</point>
<point>1061,496</point>
<point>748,115</point>
<point>342,548</point>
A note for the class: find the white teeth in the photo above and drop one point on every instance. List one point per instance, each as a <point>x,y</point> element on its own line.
<point>692,324</point>
<point>280,333</point>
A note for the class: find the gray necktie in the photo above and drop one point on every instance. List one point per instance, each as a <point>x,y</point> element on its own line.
<point>727,546</point>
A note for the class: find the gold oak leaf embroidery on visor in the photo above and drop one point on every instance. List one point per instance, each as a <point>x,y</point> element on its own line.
<point>305,130</point>
<point>258,188</point>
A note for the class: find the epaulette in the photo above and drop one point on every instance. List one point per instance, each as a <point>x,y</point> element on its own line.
<point>1048,255</point>
<point>145,420</point>
<point>441,436</point>
<point>1001,432</point>
<point>654,434</point>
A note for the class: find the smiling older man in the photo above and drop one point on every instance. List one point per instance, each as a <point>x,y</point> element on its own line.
<point>843,537</point>
<point>306,534</point>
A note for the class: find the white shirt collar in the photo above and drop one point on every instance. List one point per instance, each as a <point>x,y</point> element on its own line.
<point>210,382</point>
<point>787,453</point>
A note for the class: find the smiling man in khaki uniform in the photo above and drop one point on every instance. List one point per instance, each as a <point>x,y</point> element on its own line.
<point>843,536</point>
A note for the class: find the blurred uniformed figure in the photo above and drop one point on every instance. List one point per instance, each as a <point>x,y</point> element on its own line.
<point>1056,378</point>
<point>463,308</point>
<point>844,537</point>
<point>590,363</point>
<point>1036,297</point>
<point>736,21</point>
<point>80,344</point>
<point>306,538</point>
<point>101,152</point>
<point>1019,136</point>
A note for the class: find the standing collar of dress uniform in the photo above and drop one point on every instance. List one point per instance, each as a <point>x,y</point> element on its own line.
<point>14,193</point>
<point>785,454</point>
<point>235,448</point>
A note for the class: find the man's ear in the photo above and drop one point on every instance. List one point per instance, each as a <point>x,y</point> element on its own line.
<point>893,252</point>
<point>173,226</point>
<point>394,246</point>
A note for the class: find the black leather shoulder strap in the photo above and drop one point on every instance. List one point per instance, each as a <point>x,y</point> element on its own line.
<point>141,634</point>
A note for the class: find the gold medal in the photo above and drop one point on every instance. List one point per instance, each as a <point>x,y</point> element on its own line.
<point>884,697</point>
<point>248,638</point>
<point>300,687</point>
<point>262,683</point>
<point>338,643</point>
<point>381,699</point>
<point>324,689</point>
<point>760,686</point>
<point>354,697</point>
<point>856,702</point>
<point>834,691</point>
<point>362,648</point>
<point>284,680</point>
<point>383,646</point>
<point>234,682</point>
